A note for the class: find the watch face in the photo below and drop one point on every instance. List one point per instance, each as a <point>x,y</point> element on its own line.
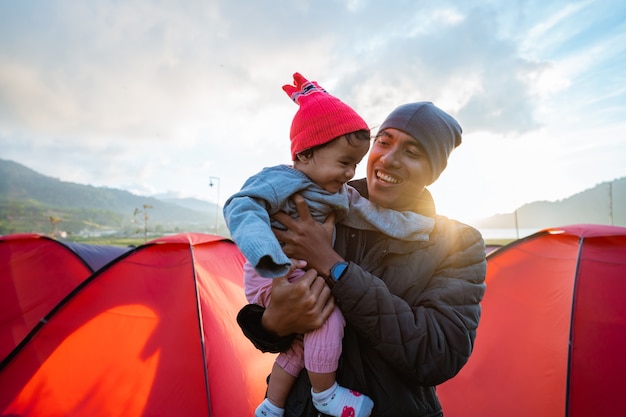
<point>337,270</point>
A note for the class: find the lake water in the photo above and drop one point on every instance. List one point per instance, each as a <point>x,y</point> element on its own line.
<point>507,233</point>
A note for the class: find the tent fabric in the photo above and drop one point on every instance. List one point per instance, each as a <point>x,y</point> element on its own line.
<point>97,256</point>
<point>552,336</point>
<point>151,333</point>
<point>36,273</point>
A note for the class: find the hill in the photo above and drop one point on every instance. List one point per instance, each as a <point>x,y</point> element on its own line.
<point>603,204</point>
<point>31,202</point>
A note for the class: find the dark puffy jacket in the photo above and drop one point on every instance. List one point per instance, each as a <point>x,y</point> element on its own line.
<point>411,308</point>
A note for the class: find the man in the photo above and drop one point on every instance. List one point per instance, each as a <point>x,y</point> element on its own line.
<point>411,308</point>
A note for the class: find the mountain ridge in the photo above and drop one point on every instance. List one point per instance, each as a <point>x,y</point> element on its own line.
<point>20,184</point>
<point>605,203</point>
<point>84,206</point>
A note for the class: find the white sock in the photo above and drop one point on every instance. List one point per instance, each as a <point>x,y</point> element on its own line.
<point>337,399</point>
<point>267,409</point>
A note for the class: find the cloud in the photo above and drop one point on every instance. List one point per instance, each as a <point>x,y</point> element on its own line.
<point>161,95</point>
<point>139,69</point>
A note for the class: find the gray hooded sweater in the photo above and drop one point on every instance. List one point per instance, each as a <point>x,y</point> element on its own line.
<point>248,215</point>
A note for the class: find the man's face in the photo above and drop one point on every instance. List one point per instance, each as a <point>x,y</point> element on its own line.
<point>397,170</point>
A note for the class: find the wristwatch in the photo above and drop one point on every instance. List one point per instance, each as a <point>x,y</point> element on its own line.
<point>338,270</point>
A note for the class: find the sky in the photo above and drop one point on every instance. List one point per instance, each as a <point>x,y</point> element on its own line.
<point>167,97</point>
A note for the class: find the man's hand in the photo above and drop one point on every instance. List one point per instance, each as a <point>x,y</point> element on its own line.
<point>298,307</point>
<point>307,239</point>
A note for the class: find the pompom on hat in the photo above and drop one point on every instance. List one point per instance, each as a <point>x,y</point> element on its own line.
<point>435,130</point>
<point>321,116</point>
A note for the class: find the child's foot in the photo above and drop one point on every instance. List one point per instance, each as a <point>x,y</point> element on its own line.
<point>267,409</point>
<point>338,401</point>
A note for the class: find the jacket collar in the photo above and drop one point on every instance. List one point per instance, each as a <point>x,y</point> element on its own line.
<point>425,204</point>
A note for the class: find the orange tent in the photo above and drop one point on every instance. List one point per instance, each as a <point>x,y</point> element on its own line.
<point>552,337</point>
<point>152,332</point>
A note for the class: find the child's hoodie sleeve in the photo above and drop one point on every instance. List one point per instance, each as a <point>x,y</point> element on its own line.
<point>247,216</point>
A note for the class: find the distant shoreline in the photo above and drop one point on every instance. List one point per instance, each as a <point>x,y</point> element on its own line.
<point>506,234</point>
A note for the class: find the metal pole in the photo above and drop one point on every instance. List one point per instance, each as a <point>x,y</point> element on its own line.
<point>217,203</point>
<point>611,203</point>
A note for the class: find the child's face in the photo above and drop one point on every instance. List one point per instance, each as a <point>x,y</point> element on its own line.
<point>333,165</point>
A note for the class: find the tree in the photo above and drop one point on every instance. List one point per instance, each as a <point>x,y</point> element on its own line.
<point>54,221</point>
<point>146,217</point>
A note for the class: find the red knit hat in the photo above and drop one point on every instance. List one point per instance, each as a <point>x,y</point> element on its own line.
<point>320,118</point>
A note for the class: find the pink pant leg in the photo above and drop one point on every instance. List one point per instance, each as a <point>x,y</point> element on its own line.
<point>322,347</point>
<point>292,360</point>
<point>259,291</point>
<point>319,350</point>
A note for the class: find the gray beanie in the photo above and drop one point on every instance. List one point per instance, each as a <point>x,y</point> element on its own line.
<point>435,130</point>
